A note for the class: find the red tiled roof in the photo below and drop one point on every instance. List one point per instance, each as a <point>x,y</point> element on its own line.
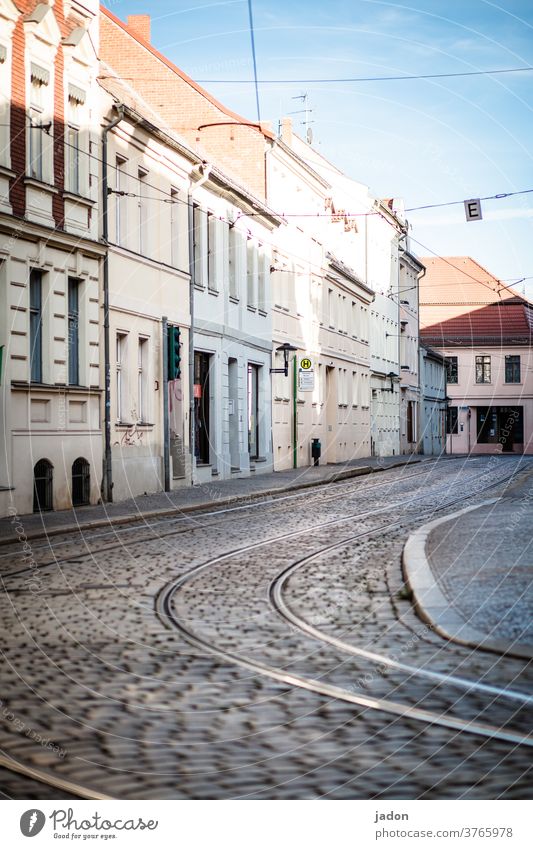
<point>460,279</point>
<point>461,303</point>
<point>507,323</point>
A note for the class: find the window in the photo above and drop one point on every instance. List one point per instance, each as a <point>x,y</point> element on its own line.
<point>263,272</point>
<point>120,201</point>
<point>76,99</point>
<point>73,158</point>
<point>355,320</point>
<point>452,370</point>
<point>212,247</point>
<point>143,212</point>
<point>452,416</point>
<point>36,326</point>
<point>233,259</point>
<point>512,368</point>
<point>5,97</point>
<point>331,308</point>
<point>197,244</point>
<point>142,376</point>
<point>121,351</point>
<point>251,273</point>
<point>482,369</point>
<point>174,227</point>
<point>39,78</point>
<point>73,332</point>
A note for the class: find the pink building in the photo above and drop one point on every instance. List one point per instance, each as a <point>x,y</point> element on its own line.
<point>485,330</point>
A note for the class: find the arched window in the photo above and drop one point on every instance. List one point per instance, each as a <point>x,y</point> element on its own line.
<point>43,482</point>
<point>81,482</point>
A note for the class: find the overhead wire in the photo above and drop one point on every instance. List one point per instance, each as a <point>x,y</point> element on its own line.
<point>170,200</point>
<point>392,78</point>
<point>254,57</point>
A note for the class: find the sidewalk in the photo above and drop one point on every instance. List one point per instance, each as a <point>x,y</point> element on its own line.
<point>471,573</point>
<point>186,499</point>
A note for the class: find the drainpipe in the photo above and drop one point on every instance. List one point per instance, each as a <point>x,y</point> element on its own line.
<point>205,168</point>
<point>420,446</point>
<point>107,480</point>
<point>295,413</point>
<point>166,433</point>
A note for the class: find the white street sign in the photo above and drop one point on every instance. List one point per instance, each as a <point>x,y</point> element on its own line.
<point>473,209</point>
<point>306,374</point>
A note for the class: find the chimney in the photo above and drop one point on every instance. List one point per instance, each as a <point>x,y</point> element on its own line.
<point>140,25</point>
<point>286,131</point>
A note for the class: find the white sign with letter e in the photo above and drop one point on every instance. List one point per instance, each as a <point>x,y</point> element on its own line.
<point>473,209</point>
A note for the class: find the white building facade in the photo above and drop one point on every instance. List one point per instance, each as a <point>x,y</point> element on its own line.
<point>50,259</point>
<point>321,309</point>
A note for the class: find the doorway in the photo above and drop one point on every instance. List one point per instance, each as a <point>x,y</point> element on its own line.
<point>331,414</point>
<point>202,407</point>
<point>81,482</point>
<point>253,411</point>
<point>43,481</point>
<point>233,414</point>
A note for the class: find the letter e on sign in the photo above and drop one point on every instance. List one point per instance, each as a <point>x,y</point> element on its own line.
<point>473,209</point>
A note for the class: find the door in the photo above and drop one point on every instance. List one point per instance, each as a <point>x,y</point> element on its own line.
<point>253,411</point>
<point>331,414</point>
<point>202,405</point>
<point>43,477</point>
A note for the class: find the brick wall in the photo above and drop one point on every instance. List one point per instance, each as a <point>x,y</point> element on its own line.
<point>238,150</point>
<point>18,111</point>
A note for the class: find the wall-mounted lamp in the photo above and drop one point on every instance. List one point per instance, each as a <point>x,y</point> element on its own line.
<point>286,348</point>
<point>392,375</point>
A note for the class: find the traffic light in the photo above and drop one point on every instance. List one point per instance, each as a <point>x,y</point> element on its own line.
<point>174,353</point>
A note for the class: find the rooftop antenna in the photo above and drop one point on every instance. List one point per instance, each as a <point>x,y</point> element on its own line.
<point>306,111</point>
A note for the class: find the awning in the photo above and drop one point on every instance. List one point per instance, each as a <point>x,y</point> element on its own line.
<point>39,74</point>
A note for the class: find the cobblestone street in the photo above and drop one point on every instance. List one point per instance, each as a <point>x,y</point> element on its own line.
<point>270,649</point>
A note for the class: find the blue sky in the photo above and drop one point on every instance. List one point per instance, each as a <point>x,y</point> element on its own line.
<point>426,141</point>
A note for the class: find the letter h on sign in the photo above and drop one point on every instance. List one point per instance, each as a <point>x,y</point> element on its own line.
<point>473,209</point>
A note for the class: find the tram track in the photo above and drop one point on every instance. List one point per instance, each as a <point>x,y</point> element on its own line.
<point>347,487</point>
<point>166,612</point>
<point>271,505</point>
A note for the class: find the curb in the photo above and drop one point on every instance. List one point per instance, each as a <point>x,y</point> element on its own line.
<point>130,518</point>
<point>432,605</point>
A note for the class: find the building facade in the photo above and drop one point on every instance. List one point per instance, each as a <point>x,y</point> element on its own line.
<point>432,405</point>
<point>50,258</point>
<point>484,329</point>
<point>320,308</point>
<point>221,235</point>
<point>412,380</point>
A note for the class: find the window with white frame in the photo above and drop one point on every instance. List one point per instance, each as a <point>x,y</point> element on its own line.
<point>212,249</point>
<point>355,320</point>
<point>174,227</point>
<point>5,100</point>
<point>73,142</point>
<point>355,389</point>
<point>263,274</point>
<point>251,272</point>
<point>142,205</point>
<point>198,244</point>
<point>233,259</point>
<point>331,308</point>
<point>121,373</point>
<point>38,112</point>
<point>120,200</point>
<point>142,379</point>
